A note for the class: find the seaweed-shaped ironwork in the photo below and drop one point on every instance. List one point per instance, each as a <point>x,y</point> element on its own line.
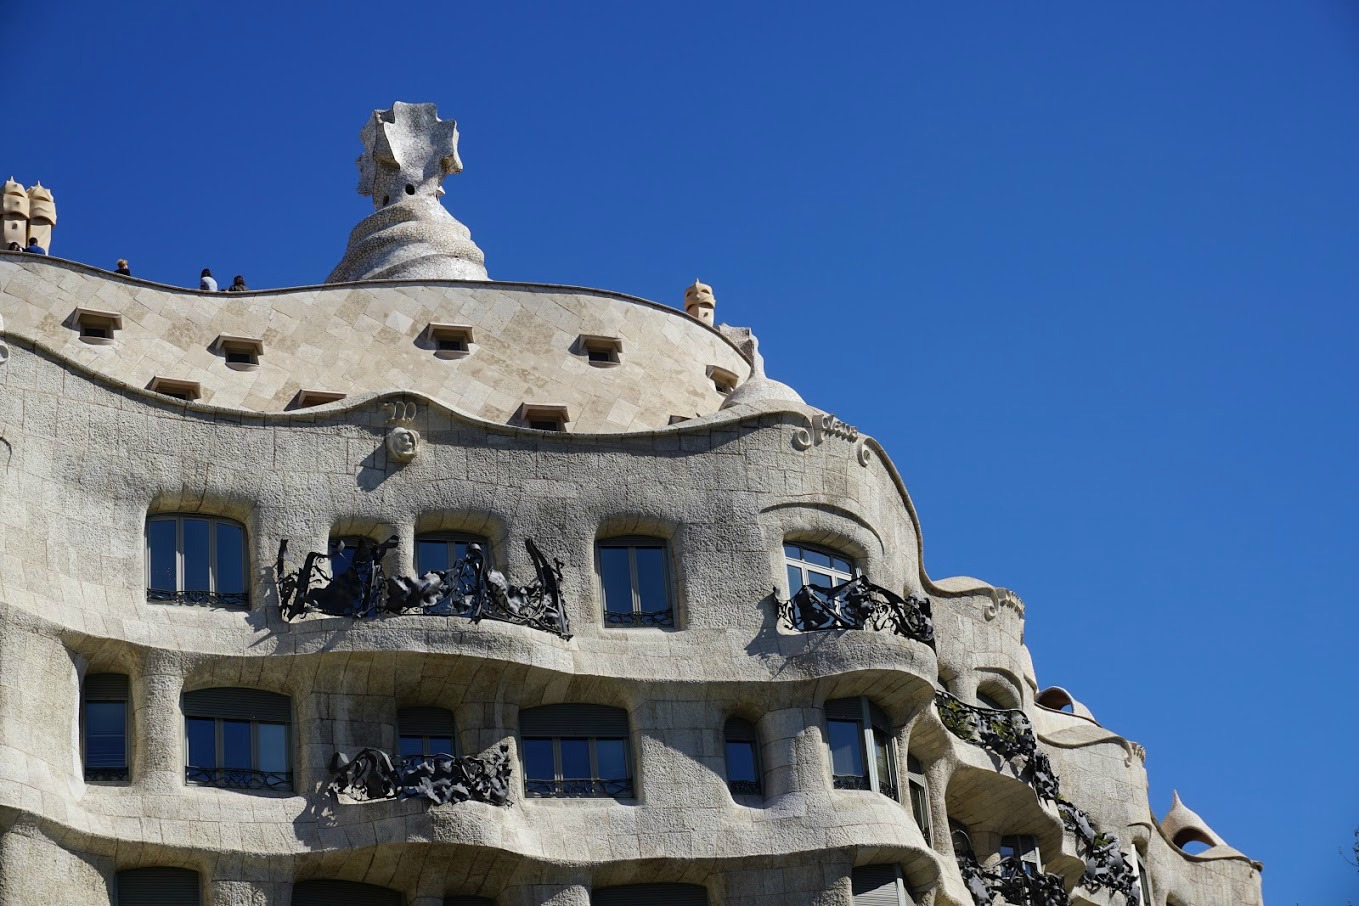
<point>442,779</point>
<point>1013,880</point>
<point>468,588</point>
<point>858,604</point>
<point>1009,735</point>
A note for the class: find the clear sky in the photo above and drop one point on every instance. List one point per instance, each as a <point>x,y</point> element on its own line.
<point>1088,270</point>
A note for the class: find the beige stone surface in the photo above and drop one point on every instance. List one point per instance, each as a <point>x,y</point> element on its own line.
<point>86,455</point>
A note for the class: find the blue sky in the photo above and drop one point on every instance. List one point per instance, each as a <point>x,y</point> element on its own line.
<point>1088,270</point>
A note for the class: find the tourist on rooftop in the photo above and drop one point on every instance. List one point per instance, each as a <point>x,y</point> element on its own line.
<point>206,283</point>
<point>123,268</point>
<point>35,248</point>
<point>238,285</point>
<point>15,247</point>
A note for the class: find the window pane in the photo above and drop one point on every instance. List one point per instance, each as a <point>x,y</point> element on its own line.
<point>342,551</point>
<point>792,552</point>
<point>616,577</point>
<point>273,746</point>
<point>576,759</point>
<point>431,556</point>
<point>106,734</point>
<point>920,808</point>
<point>794,579</point>
<point>411,745</point>
<point>882,752</point>
<point>160,542</point>
<point>538,759</point>
<point>816,557</point>
<point>230,559</point>
<point>196,555</point>
<point>459,550</point>
<point>846,745</point>
<point>741,761</point>
<point>236,744</point>
<point>843,566</point>
<point>651,584</point>
<point>440,745</point>
<point>612,755</point>
<point>821,580</point>
<point>202,742</point>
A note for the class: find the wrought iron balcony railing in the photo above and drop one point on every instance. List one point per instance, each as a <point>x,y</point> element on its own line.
<point>442,779</point>
<point>745,787</point>
<point>239,778</point>
<point>858,604</point>
<point>579,788</point>
<point>1016,882</point>
<point>107,774</point>
<point>851,782</point>
<point>640,617</point>
<point>1008,734</point>
<point>469,588</point>
<point>199,598</point>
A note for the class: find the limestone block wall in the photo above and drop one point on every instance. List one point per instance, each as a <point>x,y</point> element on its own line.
<point>85,457</point>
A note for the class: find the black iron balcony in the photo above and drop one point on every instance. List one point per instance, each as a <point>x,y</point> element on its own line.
<point>858,604</point>
<point>640,617</point>
<point>1014,881</point>
<point>442,779</point>
<point>239,778</point>
<point>851,782</point>
<point>579,788</point>
<point>744,787</point>
<point>469,588</point>
<point>1006,734</point>
<point>107,774</point>
<point>198,598</point>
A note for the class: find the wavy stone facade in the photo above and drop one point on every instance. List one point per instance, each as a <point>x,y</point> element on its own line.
<point>88,455</point>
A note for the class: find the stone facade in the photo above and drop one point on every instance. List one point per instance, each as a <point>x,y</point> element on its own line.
<point>88,454</point>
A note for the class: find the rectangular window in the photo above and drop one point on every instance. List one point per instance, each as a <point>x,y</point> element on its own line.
<point>634,577</point>
<point>855,729</point>
<point>237,739</point>
<point>1020,853</point>
<point>920,796</point>
<point>104,727</point>
<point>816,567</point>
<point>196,560</point>
<point>575,751</point>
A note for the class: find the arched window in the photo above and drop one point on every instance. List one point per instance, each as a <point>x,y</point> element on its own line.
<point>650,895</point>
<point>238,739</point>
<point>576,751</point>
<point>193,559</point>
<point>104,727</point>
<point>350,893</point>
<point>158,887</point>
<point>880,885</point>
<point>863,751</point>
<point>819,566</point>
<point>920,796</point>
<point>634,575</point>
<point>743,759</point>
<point>425,731</point>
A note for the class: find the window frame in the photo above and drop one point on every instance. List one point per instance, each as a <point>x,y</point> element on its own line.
<point>667,617</point>
<point>426,750</point>
<point>742,787</point>
<point>128,735</point>
<point>867,741</point>
<point>450,539</point>
<point>837,576</point>
<point>208,597</point>
<point>918,792</point>
<point>219,770</point>
<point>1022,848</point>
<point>599,787</point>
<point>902,891</point>
<point>1144,884</point>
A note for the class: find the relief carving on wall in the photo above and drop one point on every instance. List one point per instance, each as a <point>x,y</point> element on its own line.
<point>824,425</point>
<point>403,441</point>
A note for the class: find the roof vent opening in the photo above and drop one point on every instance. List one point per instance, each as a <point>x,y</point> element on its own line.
<point>543,417</point>
<point>96,327</point>
<point>241,353</point>
<point>306,399</point>
<point>600,351</point>
<point>449,341</point>
<point>188,391</point>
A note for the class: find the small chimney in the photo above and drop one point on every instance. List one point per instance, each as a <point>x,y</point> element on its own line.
<point>699,302</point>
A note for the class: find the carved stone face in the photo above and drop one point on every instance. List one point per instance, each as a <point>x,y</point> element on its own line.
<point>402,444</point>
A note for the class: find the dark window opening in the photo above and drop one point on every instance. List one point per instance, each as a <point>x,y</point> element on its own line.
<point>238,739</point>
<point>743,763</point>
<point>196,560</point>
<point>105,730</point>
<point>855,728</point>
<point>576,751</point>
<point>634,575</point>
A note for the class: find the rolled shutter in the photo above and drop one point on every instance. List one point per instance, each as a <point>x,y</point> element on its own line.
<point>106,687</point>
<point>651,895</point>
<point>424,722</point>
<point>158,887</point>
<point>238,704</point>
<point>876,885</point>
<point>879,718</point>
<point>738,729</point>
<point>348,893</point>
<point>845,709</point>
<point>574,720</point>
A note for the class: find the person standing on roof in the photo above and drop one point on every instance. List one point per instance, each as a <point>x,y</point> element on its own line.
<point>206,283</point>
